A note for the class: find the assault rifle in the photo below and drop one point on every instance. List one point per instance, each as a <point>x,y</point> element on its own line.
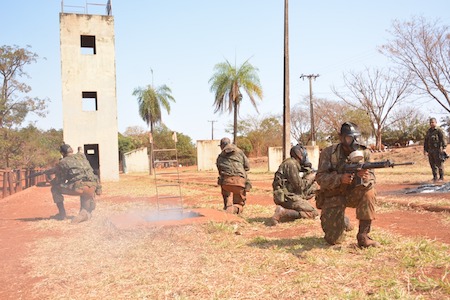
<point>47,172</point>
<point>354,167</point>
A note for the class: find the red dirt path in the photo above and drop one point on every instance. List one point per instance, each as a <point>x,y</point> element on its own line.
<point>34,204</point>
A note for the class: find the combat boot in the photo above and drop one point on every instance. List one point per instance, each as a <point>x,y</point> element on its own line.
<point>61,215</point>
<point>82,216</point>
<point>306,214</point>
<point>282,214</point>
<point>364,241</point>
<point>234,209</point>
<point>84,213</point>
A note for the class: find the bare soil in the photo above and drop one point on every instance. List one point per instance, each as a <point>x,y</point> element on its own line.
<point>18,211</point>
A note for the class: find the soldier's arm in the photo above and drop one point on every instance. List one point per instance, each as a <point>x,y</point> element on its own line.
<point>246,162</point>
<point>326,177</point>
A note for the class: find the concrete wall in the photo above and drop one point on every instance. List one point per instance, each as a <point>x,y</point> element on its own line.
<point>275,157</point>
<point>90,73</point>
<point>136,161</point>
<point>207,152</point>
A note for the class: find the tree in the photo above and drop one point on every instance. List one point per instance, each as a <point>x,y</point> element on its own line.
<point>30,147</point>
<point>14,103</point>
<point>256,134</point>
<point>446,126</point>
<point>226,83</point>
<point>377,93</point>
<point>406,124</point>
<point>333,114</point>
<point>150,100</point>
<point>423,49</point>
<point>300,124</point>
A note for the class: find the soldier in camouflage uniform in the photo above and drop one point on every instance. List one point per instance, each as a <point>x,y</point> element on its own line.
<point>293,185</point>
<point>74,176</point>
<point>232,165</point>
<point>434,146</point>
<point>339,190</point>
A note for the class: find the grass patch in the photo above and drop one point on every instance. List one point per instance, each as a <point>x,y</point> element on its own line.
<point>215,260</point>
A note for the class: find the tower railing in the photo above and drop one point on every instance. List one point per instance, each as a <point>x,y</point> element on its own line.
<point>86,7</point>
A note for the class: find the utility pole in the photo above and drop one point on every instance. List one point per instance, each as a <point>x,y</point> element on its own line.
<point>212,128</point>
<point>286,100</point>
<point>313,130</point>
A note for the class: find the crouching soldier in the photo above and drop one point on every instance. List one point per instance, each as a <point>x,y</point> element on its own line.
<point>293,185</point>
<point>339,189</point>
<point>74,176</point>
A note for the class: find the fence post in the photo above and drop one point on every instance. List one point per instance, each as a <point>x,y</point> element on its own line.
<point>11,182</point>
<point>18,180</point>
<point>5,183</point>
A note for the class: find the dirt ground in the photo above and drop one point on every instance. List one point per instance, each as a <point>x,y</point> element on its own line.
<point>18,211</point>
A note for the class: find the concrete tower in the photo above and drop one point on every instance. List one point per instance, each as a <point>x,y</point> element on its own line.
<point>88,73</point>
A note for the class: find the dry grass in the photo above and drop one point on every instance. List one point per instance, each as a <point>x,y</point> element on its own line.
<point>95,260</point>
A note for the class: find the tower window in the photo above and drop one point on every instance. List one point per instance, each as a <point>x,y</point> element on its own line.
<point>88,44</point>
<point>89,101</point>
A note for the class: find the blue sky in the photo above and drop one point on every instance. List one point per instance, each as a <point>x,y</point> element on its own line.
<point>182,40</point>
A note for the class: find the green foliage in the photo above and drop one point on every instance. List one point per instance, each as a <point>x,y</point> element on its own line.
<point>125,144</point>
<point>226,83</point>
<point>150,100</point>
<point>245,145</point>
<point>404,130</point>
<point>29,147</point>
<point>14,103</point>
<point>135,138</point>
<point>261,133</point>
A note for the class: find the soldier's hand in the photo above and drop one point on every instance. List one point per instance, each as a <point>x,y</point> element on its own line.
<point>364,175</point>
<point>346,178</point>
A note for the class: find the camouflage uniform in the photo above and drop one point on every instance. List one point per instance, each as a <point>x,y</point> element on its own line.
<point>434,145</point>
<point>75,176</point>
<point>293,186</point>
<point>233,165</point>
<point>333,197</point>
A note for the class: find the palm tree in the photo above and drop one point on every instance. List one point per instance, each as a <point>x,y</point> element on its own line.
<point>226,83</point>
<point>150,100</point>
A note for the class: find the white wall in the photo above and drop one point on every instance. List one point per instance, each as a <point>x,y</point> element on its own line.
<point>207,152</point>
<point>136,161</point>
<point>275,157</point>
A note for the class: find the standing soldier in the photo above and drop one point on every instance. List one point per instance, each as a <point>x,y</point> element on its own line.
<point>339,190</point>
<point>293,185</point>
<point>232,165</point>
<point>434,146</point>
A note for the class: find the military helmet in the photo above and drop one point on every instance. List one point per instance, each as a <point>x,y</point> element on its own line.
<point>299,152</point>
<point>65,148</point>
<point>349,128</point>
<point>223,142</point>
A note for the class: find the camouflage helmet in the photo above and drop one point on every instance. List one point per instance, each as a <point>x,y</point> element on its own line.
<point>299,152</point>
<point>223,142</point>
<point>65,149</point>
<point>349,128</point>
